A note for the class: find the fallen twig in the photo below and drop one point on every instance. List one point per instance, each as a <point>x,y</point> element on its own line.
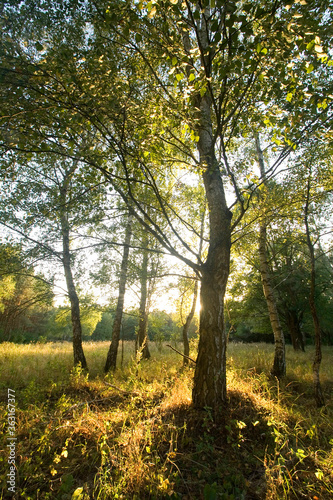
<point>121,390</point>
<point>83,403</point>
<point>184,355</point>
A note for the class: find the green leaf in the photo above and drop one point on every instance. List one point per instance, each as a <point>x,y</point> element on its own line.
<point>191,77</point>
<point>174,61</point>
<point>210,491</point>
<point>203,91</point>
<point>179,76</point>
<point>289,97</point>
<point>39,46</point>
<point>310,68</point>
<point>259,48</point>
<point>215,25</point>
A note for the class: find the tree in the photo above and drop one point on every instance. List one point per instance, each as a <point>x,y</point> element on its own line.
<point>188,321</point>
<point>279,364</point>
<point>25,296</point>
<point>111,360</point>
<point>48,199</point>
<point>318,354</point>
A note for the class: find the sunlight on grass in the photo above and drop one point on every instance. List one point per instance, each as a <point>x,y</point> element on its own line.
<point>134,433</point>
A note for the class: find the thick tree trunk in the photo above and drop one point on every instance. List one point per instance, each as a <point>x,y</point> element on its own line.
<point>79,357</point>
<point>111,360</point>
<point>279,364</point>
<point>142,336</point>
<point>319,397</point>
<point>209,388</point>
<point>294,328</point>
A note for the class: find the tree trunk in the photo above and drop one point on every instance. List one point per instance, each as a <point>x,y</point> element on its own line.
<point>294,328</point>
<point>143,314</point>
<point>209,388</point>
<point>189,318</point>
<point>279,364</point>
<point>187,324</point>
<point>111,360</point>
<point>319,397</point>
<point>79,357</point>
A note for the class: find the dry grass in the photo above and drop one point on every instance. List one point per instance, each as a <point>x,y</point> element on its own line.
<point>79,438</point>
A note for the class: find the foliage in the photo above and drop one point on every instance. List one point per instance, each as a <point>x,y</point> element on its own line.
<point>290,277</point>
<point>25,297</point>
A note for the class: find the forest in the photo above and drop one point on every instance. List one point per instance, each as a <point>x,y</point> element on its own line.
<point>166,262</point>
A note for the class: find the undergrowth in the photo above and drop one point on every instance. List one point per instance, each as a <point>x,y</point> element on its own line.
<point>134,434</point>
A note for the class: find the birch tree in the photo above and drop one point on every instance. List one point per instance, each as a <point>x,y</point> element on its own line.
<point>279,364</point>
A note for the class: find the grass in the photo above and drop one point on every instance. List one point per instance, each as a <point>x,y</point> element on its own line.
<point>139,437</point>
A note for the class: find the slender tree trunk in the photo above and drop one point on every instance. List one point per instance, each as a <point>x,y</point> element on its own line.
<point>209,389</point>
<point>188,322</point>
<point>279,364</point>
<point>143,313</point>
<point>190,316</point>
<point>79,357</point>
<point>319,397</point>
<point>111,360</point>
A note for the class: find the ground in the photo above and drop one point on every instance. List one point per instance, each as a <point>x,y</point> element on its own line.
<point>135,434</point>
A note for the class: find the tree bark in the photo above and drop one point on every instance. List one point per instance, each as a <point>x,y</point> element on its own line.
<point>142,336</point>
<point>293,324</point>
<point>209,388</point>
<point>279,363</point>
<point>319,397</point>
<point>111,360</point>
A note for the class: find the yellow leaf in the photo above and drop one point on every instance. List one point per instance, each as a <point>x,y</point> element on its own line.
<point>152,12</point>
<point>78,494</point>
